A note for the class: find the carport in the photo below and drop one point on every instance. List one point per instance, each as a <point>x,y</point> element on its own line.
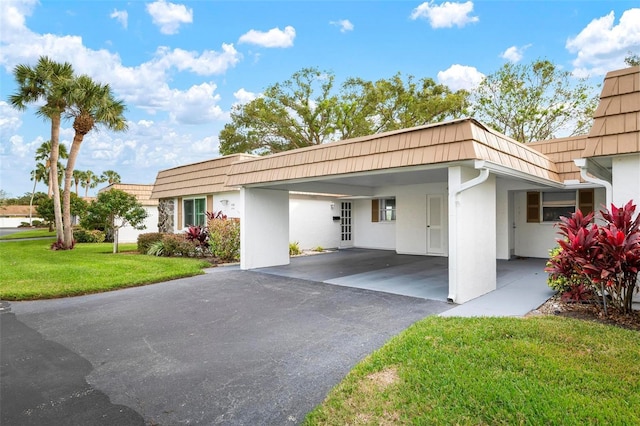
<point>443,178</point>
<point>425,277</point>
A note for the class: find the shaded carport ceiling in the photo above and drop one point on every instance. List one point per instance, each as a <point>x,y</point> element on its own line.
<point>408,156</point>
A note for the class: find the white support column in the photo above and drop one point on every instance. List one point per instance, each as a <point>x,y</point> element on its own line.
<point>472,234</point>
<point>264,228</point>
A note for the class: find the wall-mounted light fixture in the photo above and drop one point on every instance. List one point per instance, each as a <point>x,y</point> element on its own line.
<point>224,202</point>
<point>333,206</point>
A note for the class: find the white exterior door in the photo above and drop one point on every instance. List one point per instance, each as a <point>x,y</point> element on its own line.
<point>435,216</point>
<point>346,224</point>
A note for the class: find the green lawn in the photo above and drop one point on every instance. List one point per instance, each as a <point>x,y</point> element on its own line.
<point>31,233</point>
<point>30,270</point>
<point>493,371</point>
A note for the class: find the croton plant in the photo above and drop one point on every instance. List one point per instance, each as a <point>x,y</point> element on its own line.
<point>606,256</point>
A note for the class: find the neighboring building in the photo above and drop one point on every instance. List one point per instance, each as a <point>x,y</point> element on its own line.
<point>457,189</point>
<point>128,234</point>
<point>14,216</point>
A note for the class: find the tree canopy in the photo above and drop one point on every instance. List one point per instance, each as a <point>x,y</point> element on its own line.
<point>536,101</point>
<point>112,210</point>
<point>305,110</point>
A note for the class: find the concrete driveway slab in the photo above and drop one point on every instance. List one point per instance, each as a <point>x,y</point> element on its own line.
<point>229,347</point>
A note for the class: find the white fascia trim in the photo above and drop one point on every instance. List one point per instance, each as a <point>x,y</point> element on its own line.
<point>499,169</point>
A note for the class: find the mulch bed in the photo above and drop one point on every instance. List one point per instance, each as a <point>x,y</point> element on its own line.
<point>588,312</point>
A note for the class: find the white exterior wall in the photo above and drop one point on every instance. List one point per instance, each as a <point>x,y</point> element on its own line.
<point>472,236</point>
<point>229,203</point>
<point>14,222</point>
<point>368,234</point>
<point>311,221</point>
<point>264,228</point>
<point>128,234</point>
<point>626,180</point>
<point>536,239</point>
<point>411,226</point>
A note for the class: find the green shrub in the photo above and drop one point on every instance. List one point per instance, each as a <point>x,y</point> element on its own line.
<point>156,249</point>
<point>177,245</point>
<point>319,249</point>
<point>38,223</point>
<point>145,240</point>
<point>24,225</point>
<point>88,236</point>
<point>224,238</point>
<point>562,283</point>
<point>294,249</point>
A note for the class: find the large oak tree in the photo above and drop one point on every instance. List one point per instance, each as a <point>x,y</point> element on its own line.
<point>536,101</point>
<point>307,110</point>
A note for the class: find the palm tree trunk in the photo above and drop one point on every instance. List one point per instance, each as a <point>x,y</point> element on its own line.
<point>66,195</point>
<point>33,193</point>
<point>53,175</point>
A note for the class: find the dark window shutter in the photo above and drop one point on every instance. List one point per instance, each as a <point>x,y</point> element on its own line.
<point>533,207</point>
<point>375,210</point>
<point>586,201</point>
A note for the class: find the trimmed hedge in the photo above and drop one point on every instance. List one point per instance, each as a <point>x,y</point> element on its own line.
<point>88,236</point>
<point>146,240</point>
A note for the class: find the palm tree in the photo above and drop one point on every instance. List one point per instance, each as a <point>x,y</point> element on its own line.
<point>78,178</point>
<point>88,180</point>
<point>91,104</point>
<point>46,82</point>
<point>43,153</point>
<point>39,174</point>
<point>110,177</point>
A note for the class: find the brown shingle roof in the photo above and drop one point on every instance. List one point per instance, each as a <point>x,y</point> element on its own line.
<point>198,178</point>
<point>141,192</point>
<point>562,152</point>
<point>465,139</point>
<point>17,211</point>
<point>616,127</point>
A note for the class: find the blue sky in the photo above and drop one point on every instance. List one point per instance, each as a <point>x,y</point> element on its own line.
<point>180,66</point>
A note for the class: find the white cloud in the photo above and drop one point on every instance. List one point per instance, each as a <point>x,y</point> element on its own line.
<point>169,16</point>
<point>460,77</point>
<point>244,97</point>
<point>197,105</point>
<point>10,119</point>
<point>445,15</point>
<point>275,37</point>
<point>344,25</point>
<point>602,46</point>
<point>207,63</point>
<point>121,16</point>
<point>514,53</point>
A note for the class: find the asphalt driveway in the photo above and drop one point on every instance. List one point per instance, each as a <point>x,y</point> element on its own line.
<point>229,347</point>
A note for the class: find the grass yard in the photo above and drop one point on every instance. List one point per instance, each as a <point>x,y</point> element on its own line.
<point>31,233</point>
<point>30,270</point>
<point>493,371</point>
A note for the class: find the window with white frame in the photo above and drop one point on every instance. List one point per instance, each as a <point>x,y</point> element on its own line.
<point>550,205</point>
<point>556,204</point>
<point>194,211</point>
<point>383,210</point>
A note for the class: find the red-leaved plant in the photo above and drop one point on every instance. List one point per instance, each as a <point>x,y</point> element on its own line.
<point>607,256</point>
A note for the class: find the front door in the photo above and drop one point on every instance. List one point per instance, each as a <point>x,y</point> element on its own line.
<point>346,224</point>
<point>435,215</point>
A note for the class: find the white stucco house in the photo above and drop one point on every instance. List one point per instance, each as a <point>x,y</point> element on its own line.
<point>187,192</point>
<point>456,189</point>
<point>128,234</point>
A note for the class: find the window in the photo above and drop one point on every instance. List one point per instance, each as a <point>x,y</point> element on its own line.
<point>194,212</point>
<point>556,204</point>
<point>549,206</point>
<point>383,210</point>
